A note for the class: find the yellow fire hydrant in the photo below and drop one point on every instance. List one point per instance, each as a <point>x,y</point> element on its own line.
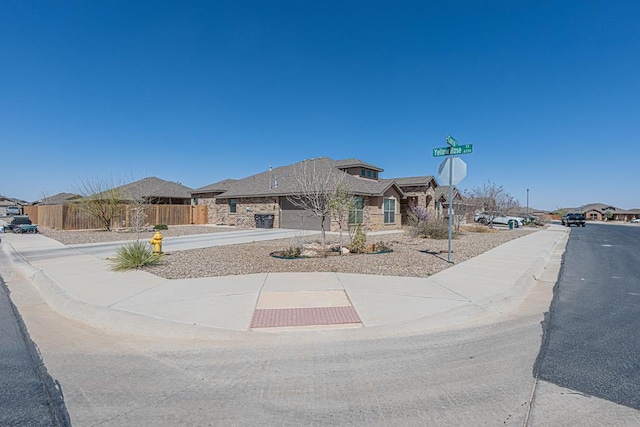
<point>156,241</point>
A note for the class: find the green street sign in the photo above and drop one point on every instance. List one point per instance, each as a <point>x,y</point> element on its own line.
<point>451,141</point>
<point>453,151</point>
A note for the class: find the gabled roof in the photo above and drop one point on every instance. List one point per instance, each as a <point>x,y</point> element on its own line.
<point>355,163</point>
<point>600,207</point>
<point>153,187</point>
<point>280,182</point>
<point>412,181</point>
<point>57,199</point>
<point>9,201</point>
<point>442,193</point>
<point>216,187</point>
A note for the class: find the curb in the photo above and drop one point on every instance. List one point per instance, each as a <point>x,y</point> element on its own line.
<point>108,319</point>
<point>126,322</point>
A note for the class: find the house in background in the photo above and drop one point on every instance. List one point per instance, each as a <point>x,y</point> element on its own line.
<point>154,190</point>
<point>57,199</point>
<point>442,200</point>
<point>419,191</point>
<point>626,215</point>
<point>379,202</point>
<point>8,201</point>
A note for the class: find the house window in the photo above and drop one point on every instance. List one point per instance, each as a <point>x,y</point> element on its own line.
<point>389,211</point>
<point>363,172</point>
<point>368,173</point>
<point>356,214</point>
<point>232,205</point>
<point>375,175</point>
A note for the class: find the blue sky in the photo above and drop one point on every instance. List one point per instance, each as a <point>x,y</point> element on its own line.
<point>195,92</point>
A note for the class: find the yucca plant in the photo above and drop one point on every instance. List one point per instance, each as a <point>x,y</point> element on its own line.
<point>133,255</point>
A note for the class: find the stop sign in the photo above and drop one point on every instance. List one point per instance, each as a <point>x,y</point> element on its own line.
<point>458,168</point>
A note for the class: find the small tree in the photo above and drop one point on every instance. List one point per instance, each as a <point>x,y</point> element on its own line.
<point>491,198</point>
<point>314,186</point>
<point>99,200</point>
<point>341,204</point>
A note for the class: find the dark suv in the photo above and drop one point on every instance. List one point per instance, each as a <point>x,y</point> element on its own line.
<point>574,218</point>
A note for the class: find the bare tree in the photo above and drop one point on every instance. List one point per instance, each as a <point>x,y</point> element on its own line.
<point>314,188</point>
<point>340,205</point>
<point>491,198</point>
<point>139,195</point>
<point>100,198</point>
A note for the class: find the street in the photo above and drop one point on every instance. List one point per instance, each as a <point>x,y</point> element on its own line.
<point>29,396</point>
<point>491,372</point>
<point>592,343</point>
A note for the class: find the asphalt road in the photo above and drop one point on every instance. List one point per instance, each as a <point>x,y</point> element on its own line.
<point>592,341</point>
<point>28,395</point>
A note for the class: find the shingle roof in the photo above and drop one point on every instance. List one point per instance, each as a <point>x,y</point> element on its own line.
<point>58,199</point>
<point>280,182</point>
<point>156,187</point>
<point>216,187</point>
<point>354,163</point>
<point>442,192</point>
<point>414,180</point>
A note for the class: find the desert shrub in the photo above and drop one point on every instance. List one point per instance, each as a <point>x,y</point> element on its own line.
<point>292,252</point>
<point>160,227</point>
<point>358,243</point>
<point>382,246</point>
<point>133,255</point>
<point>477,228</point>
<point>434,229</point>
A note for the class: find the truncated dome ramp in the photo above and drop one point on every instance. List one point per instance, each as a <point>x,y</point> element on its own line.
<point>304,309</point>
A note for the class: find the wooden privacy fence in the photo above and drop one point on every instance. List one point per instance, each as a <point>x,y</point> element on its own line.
<point>70,217</point>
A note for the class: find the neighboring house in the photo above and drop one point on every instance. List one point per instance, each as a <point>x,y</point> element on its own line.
<point>57,199</point>
<point>595,211</point>
<point>154,190</point>
<point>378,207</point>
<point>420,191</point>
<point>626,215</point>
<point>8,201</point>
<point>442,194</point>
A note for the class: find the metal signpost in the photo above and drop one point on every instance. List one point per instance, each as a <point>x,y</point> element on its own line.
<point>453,170</point>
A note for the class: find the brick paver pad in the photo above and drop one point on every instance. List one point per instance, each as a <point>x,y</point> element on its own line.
<point>309,316</point>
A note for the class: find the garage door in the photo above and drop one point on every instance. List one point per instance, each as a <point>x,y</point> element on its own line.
<point>292,216</point>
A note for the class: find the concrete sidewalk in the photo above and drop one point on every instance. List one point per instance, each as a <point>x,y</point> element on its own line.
<point>81,286</point>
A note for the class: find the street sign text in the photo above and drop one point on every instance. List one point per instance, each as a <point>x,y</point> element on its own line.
<point>453,151</point>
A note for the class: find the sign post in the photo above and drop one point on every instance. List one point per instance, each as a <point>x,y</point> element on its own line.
<point>453,170</point>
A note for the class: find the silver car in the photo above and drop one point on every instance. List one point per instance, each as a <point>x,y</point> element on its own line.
<point>495,217</point>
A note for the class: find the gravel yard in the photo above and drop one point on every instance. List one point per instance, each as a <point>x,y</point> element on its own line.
<point>413,257</point>
<point>77,237</point>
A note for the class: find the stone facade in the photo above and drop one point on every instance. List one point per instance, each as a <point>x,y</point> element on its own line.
<point>418,195</point>
<point>246,210</point>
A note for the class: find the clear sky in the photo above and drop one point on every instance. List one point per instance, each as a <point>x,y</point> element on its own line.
<point>547,91</point>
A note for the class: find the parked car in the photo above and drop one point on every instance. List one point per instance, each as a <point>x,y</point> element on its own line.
<point>494,217</point>
<point>637,220</point>
<point>14,210</point>
<point>574,218</point>
<point>17,221</point>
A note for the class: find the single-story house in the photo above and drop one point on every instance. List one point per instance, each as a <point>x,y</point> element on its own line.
<point>597,211</point>
<point>626,215</point>
<point>5,202</point>
<point>57,199</point>
<point>154,190</point>
<point>442,200</point>
<point>380,203</point>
